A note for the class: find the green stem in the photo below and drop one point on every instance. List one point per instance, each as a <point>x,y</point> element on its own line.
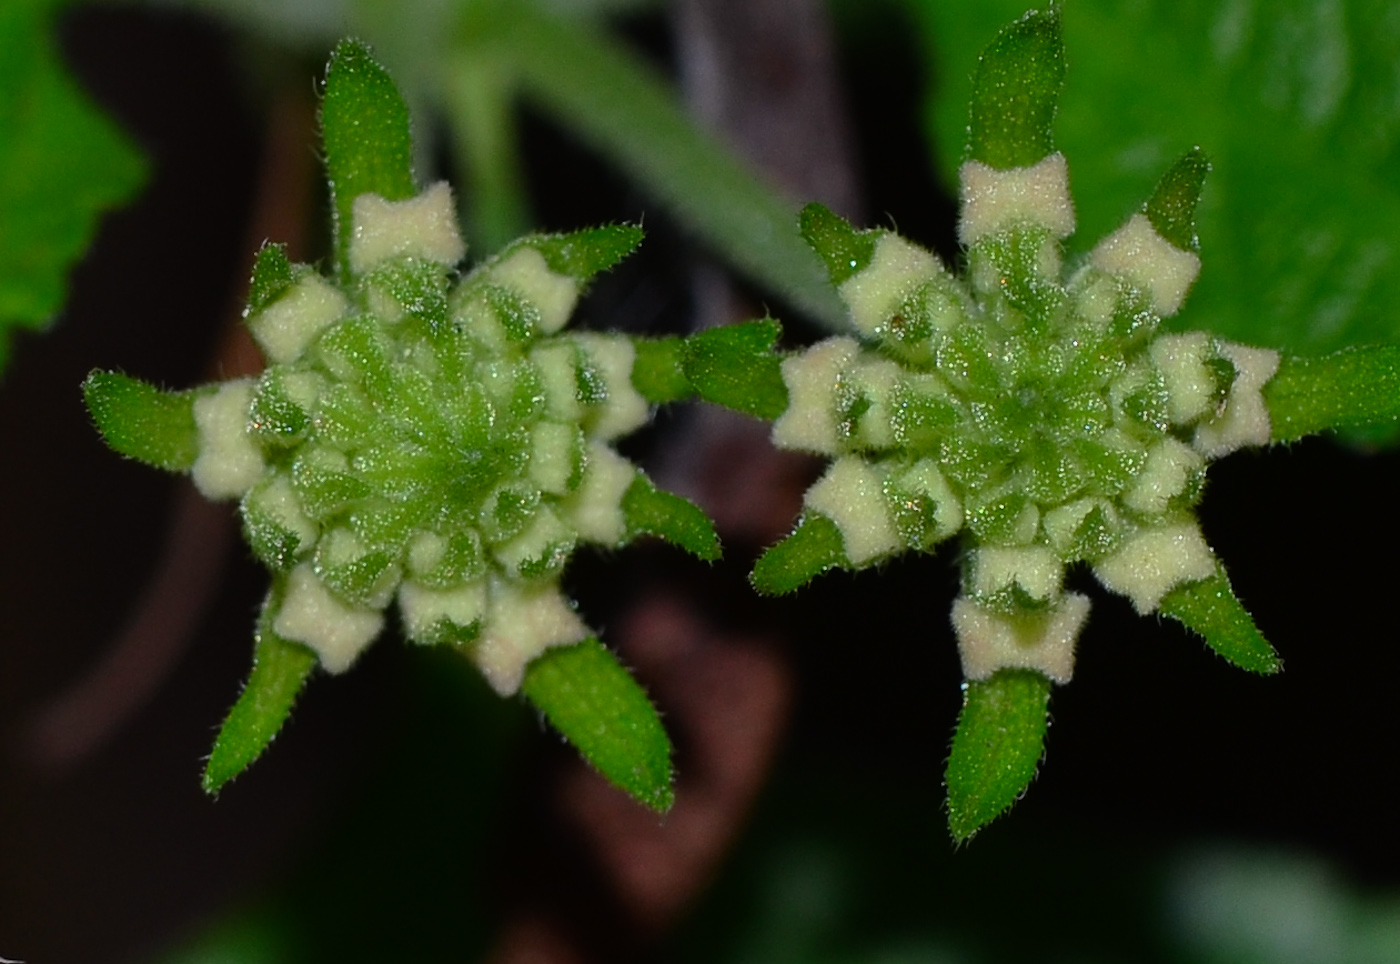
<point>619,108</point>
<point>479,92</point>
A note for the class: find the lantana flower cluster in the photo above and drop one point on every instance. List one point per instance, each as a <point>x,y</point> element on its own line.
<point>1046,421</point>
<point>442,446</point>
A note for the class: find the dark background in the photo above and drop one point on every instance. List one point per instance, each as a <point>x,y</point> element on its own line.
<point>400,816</point>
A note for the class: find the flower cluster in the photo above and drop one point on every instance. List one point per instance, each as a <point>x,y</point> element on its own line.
<point>1048,422</point>
<point>424,439</point>
<point>442,446</point>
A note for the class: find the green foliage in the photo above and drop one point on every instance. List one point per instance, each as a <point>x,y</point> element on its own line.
<point>1294,102</point>
<point>998,745</point>
<point>598,707</point>
<point>62,163</point>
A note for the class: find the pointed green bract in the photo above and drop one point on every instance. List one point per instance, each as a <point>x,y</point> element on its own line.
<point>1172,207</point>
<point>280,670</point>
<point>1015,93</point>
<point>588,696</point>
<point>1355,386</point>
<point>272,275</point>
<point>998,745</point>
<point>1210,609</point>
<point>366,137</point>
<point>844,250</point>
<point>735,366</point>
<point>142,422</point>
<point>591,251</point>
<point>814,547</point>
<point>652,511</point>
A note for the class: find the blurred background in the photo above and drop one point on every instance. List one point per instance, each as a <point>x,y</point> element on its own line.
<point>1185,811</point>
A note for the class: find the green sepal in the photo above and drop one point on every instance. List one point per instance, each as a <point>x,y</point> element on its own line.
<point>1172,207</point>
<point>652,511</point>
<point>142,422</point>
<point>1354,386</point>
<point>596,705</point>
<point>814,547</point>
<point>1210,609</point>
<point>1015,92</point>
<point>583,254</point>
<point>736,366</point>
<point>366,138</point>
<point>844,250</point>
<point>273,274</point>
<point>658,371</point>
<point>280,669</point>
<point>997,747</point>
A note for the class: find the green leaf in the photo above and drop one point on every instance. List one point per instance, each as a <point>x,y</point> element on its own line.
<point>814,547</point>
<point>652,511</point>
<point>1358,386</point>
<point>1172,207</point>
<point>1015,91</point>
<point>658,372</point>
<point>142,422</point>
<point>843,249</point>
<point>998,745</point>
<point>599,708</point>
<point>736,366</point>
<point>365,133</point>
<point>1300,223</point>
<point>1210,609</point>
<point>62,164</point>
<point>280,670</point>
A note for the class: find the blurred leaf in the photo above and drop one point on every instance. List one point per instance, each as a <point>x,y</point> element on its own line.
<point>62,163</point>
<point>1298,105</point>
<point>598,707</point>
